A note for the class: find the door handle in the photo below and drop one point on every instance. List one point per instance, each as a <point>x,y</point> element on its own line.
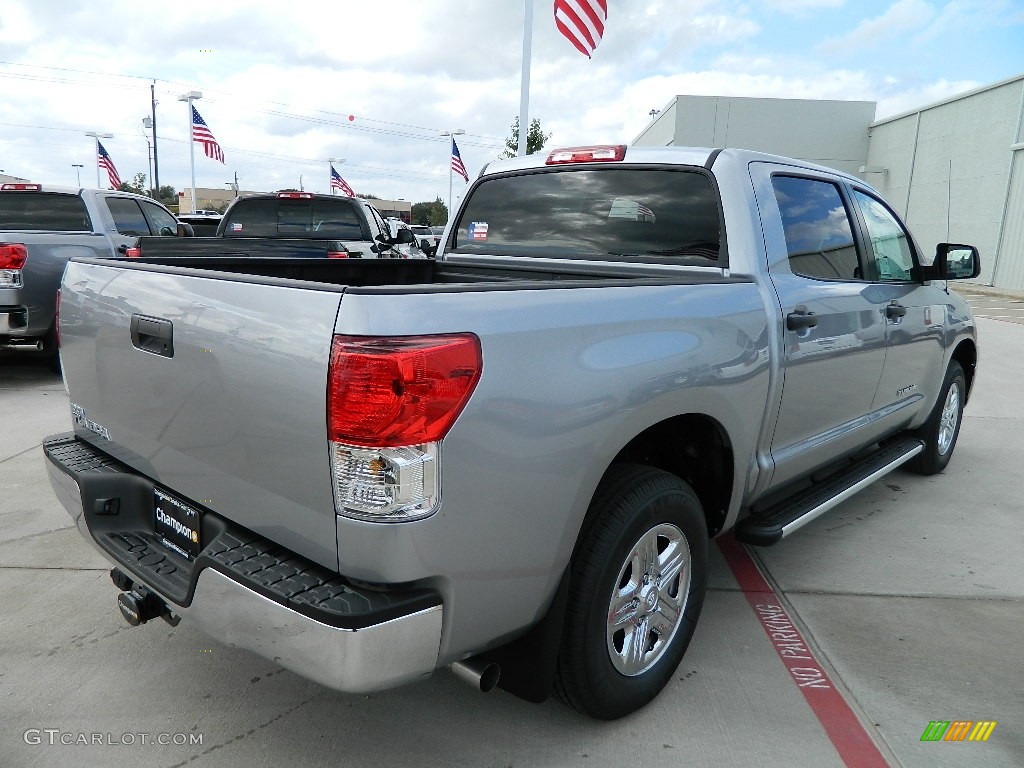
<point>153,335</point>
<point>895,310</point>
<point>801,318</point>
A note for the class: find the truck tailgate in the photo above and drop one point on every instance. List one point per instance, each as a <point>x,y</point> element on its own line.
<point>212,385</point>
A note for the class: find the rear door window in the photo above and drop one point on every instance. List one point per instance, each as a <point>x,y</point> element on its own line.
<point>43,211</point>
<point>128,216</point>
<point>627,214</point>
<point>819,236</point>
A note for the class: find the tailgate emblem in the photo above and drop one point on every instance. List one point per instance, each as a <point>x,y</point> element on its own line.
<point>79,417</point>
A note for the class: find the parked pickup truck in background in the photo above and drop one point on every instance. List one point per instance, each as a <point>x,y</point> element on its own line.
<point>509,461</point>
<point>291,225</point>
<point>41,227</point>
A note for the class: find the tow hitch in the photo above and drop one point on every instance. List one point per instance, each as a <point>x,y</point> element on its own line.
<point>139,604</point>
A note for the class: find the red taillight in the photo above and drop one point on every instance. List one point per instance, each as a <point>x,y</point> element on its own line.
<point>337,254</point>
<point>387,392</point>
<point>295,195</point>
<point>22,187</point>
<point>133,252</point>
<point>595,154</point>
<point>12,255</point>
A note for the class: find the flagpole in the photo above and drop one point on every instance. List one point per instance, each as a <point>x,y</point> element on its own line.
<point>97,136</point>
<point>330,175</point>
<point>188,98</point>
<point>524,83</point>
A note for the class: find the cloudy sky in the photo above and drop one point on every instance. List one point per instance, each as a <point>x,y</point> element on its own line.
<point>287,85</point>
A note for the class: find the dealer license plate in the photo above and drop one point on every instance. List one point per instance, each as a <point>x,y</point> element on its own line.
<point>177,524</point>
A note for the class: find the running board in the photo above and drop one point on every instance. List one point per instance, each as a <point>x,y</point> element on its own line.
<point>776,522</point>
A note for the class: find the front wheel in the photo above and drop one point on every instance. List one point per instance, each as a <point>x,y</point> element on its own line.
<point>943,426</point>
<point>636,589</point>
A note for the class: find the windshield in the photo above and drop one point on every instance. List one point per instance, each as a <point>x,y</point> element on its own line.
<point>648,214</point>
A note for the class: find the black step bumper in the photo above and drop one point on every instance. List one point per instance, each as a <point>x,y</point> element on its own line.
<point>247,591</point>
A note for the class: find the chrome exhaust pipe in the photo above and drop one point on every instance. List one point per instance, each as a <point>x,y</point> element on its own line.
<point>22,344</point>
<point>482,675</point>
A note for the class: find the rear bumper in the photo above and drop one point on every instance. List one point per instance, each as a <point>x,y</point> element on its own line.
<point>246,591</point>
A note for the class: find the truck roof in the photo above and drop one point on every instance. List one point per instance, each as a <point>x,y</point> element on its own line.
<point>697,156</point>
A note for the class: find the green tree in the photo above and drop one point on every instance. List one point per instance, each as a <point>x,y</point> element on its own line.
<point>168,195</point>
<point>136,185</point>
<point>535,139</point>
<point>433,214</point>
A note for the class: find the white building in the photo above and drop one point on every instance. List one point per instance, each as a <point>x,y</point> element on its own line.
<point>954,169</point>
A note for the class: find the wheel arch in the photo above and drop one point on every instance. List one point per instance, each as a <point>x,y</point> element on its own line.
<point>966,353</point>
<point>694,447</point>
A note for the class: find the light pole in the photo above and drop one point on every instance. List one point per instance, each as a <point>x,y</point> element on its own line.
<point>96,154</point>
<point>147,123</point>
<point>452,134</point>
<point>78,172</point>
<point>330,170</point>
<point>189,98</point>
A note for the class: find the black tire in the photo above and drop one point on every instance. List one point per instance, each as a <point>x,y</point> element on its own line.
<point>636,510</point>
<point>943,426</point>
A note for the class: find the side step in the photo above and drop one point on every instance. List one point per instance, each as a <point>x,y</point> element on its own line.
<point>773,524</point>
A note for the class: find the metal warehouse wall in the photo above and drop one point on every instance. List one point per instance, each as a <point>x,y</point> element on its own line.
<point>830,133</point>
<point>955,171</point>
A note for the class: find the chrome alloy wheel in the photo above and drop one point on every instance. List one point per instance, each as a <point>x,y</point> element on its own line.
<point>648,599</point>
<point>949,419</point>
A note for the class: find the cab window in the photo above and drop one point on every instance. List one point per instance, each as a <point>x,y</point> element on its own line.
<point>819,235</point>
<point>128,217</point>
<point>892,257</point>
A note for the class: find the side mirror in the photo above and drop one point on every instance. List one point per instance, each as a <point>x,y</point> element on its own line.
<point>954,261</point>
<point>405,237</point>
<point>185,230</point>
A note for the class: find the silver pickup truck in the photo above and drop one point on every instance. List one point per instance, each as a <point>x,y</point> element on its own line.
<point>509,461</point>
<point>41,227</point>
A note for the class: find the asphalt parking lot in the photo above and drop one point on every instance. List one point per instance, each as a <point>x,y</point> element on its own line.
<point>907,599</point>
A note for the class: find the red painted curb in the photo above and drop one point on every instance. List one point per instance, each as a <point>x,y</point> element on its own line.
<point>853,743</point>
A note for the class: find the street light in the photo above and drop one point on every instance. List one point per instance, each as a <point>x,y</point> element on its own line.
<point>147,123</point>
<point>78,172</point>
<point>451,154</point>
<point>189,98</point>
<point>330,170</point>
<point>96,154</point>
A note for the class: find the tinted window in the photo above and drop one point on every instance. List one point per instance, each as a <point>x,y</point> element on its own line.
<point>43,211</point>
<point>655,215</point>
<point>316,219</point>
<point>819,237</point>
<point>163,223</point>
<point>893,259</point>
<point>128,218</point>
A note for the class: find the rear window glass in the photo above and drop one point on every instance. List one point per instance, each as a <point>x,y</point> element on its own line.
<point>609,213</point>
<point>314,219</point>
<point>44,211</point>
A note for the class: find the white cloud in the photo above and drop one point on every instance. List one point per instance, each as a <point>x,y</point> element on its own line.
<point>798,7</point>
<point>900,18</point>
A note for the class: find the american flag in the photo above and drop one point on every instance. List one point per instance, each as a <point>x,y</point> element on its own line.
<point>201,133</point>
<point>104,161</point>
<point>457,165</point>
<point>339,184</point>
<point>582,22</point>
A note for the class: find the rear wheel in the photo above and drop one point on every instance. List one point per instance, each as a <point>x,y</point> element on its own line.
<point>636,590</point>
<point>943,426</point>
